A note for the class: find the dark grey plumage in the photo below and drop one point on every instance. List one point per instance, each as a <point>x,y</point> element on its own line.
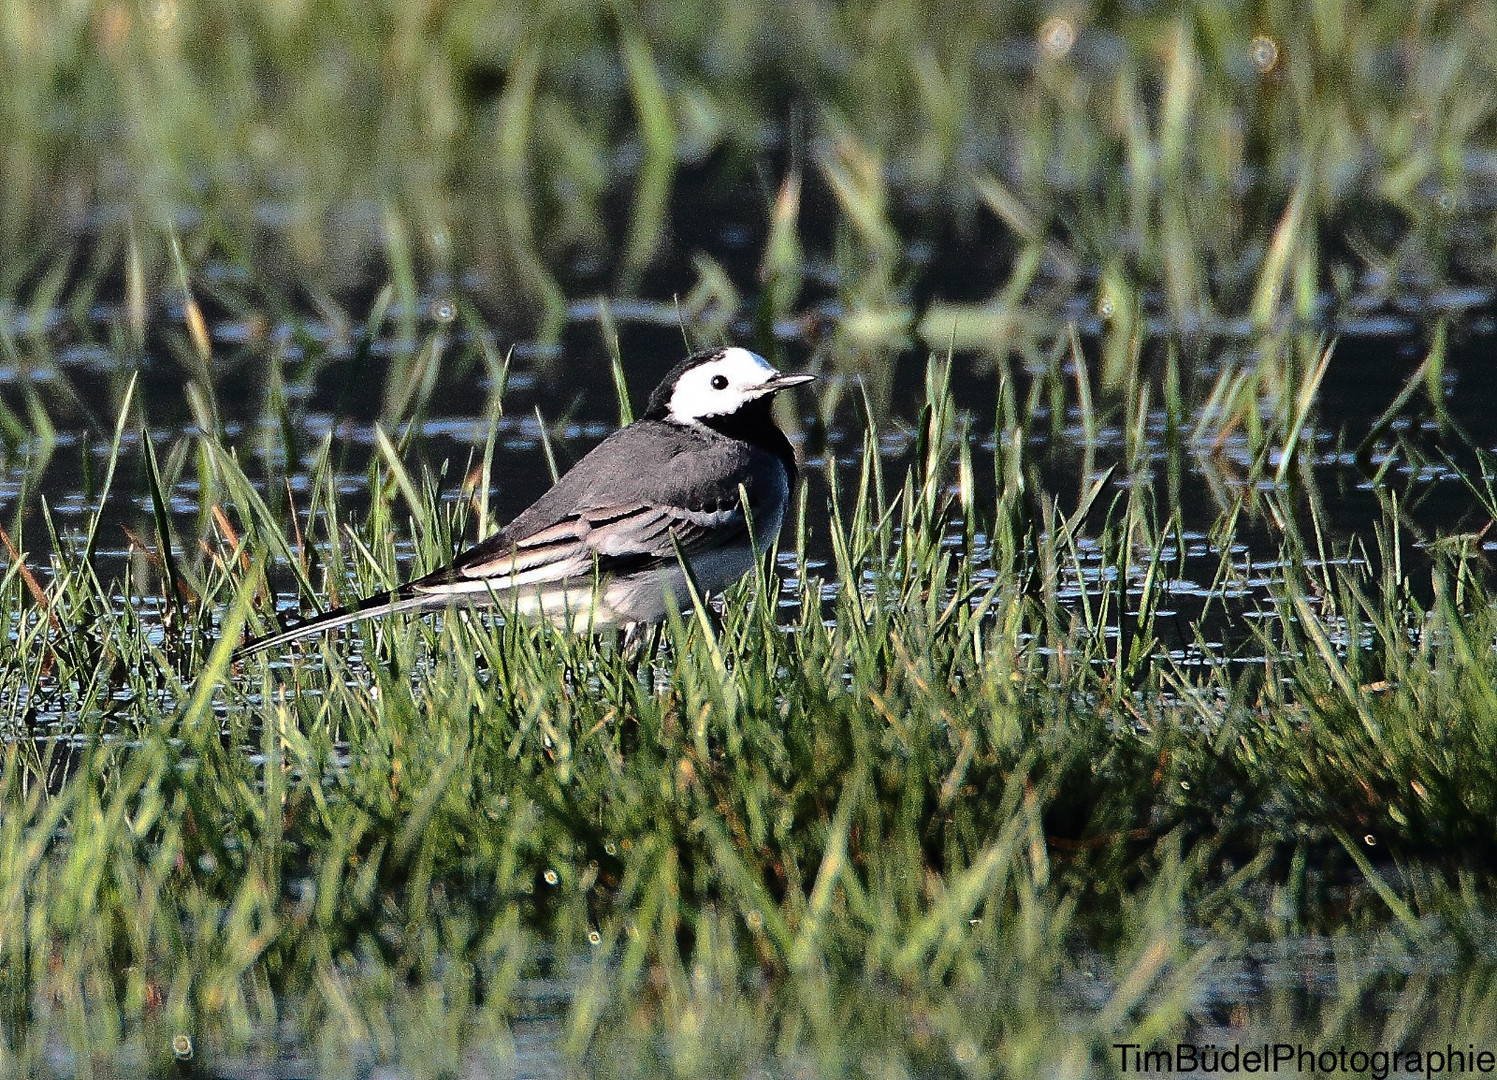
<point>603,547</point>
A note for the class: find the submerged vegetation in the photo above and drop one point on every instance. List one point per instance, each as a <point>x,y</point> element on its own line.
<point>1130,670</point>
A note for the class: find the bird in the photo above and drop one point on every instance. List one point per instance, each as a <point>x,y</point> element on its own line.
<point>604,548</point>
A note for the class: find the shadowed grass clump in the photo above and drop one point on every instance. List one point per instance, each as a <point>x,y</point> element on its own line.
<point>892,814</point>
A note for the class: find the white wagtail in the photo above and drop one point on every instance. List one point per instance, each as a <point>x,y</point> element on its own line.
<point>604,547</point>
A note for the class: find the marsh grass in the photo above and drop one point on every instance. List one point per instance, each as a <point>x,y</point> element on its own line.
<point>893,813</point>
<point>964,759</point>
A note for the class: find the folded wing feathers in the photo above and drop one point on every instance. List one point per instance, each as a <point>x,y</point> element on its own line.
<point>629,539</point>
<point>595,540</point>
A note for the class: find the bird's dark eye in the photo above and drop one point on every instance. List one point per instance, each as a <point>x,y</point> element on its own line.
<point>719,382</point>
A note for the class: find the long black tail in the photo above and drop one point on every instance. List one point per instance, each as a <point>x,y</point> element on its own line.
<point>389,603</point>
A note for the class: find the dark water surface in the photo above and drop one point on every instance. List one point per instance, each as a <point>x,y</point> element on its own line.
<point>288,371</point>
<point>569,390</point>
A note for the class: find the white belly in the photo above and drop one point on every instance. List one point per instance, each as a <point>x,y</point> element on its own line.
<point>586,607</point>
<point>583,607</point>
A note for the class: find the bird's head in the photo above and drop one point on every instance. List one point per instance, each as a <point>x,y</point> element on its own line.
<point>715,384</point>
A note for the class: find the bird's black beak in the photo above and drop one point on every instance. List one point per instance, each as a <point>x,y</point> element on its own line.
<point>780,381</point>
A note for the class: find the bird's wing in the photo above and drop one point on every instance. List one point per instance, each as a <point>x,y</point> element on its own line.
<point>599,540</point>
<point>596,540</point>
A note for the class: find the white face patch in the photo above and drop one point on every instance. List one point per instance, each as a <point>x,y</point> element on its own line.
<point>719,387</point>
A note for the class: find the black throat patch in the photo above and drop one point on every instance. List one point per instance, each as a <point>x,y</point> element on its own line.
<point>753,423</point>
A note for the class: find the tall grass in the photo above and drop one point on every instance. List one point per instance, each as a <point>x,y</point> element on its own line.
<point>892,815</point>
<point>974,753</point>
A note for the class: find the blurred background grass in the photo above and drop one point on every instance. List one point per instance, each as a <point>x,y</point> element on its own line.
<point>534,153</point>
